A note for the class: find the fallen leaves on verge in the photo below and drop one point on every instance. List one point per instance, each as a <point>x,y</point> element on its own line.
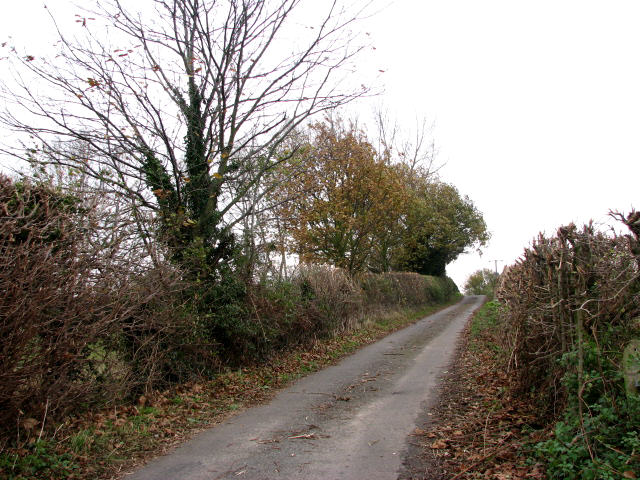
<point>478,430</point>
<point>439,444</point>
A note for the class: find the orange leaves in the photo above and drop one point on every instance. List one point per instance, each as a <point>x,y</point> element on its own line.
<point>355,210</point>
<point>439,444</point>
<point>345,198</point>
<point>160,193</point>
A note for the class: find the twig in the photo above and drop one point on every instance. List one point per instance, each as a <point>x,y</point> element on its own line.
<point>305,435</point>
<point>484,435</point>
<point>475,464</point>
<point>46,409</point>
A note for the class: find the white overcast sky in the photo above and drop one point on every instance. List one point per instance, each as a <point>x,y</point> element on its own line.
<point>536,107</point>
<point>536,104</point>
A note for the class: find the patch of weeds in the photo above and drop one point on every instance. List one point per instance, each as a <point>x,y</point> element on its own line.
<point>39,460</point>
<point>287,377</point>
<point>82,441</point>
<point>485,319</point>
<point>485,327</point>
<point>599,441</point>
<point>147,411</point>
<point>309,367</point>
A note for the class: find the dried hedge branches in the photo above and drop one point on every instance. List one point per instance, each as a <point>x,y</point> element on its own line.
<point>78,325</point>
<point>572,307</point>
<point>578,282</point>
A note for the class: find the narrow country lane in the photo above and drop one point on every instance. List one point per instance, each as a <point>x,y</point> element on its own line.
<point>349,421</point>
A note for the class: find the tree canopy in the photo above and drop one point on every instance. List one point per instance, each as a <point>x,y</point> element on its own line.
<point>346,199</point>
<point>481,282</point>
<point>353,208</point>
<point>440,225</point>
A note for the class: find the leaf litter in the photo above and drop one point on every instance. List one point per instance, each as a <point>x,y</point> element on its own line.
<point>477,429</point>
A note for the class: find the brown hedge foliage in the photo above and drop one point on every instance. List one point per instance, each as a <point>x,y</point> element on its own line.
<point>78,328</point>
<point>564,291</point>
<point>320,301</point>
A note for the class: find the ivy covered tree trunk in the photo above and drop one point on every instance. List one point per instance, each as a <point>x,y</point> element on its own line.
<point>183,113</point>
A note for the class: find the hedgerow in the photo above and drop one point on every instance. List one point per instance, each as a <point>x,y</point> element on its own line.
<point>572,309</point>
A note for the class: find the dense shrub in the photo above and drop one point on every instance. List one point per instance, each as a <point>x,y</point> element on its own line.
<point>316,302</point>
<point>330,297</point>
<point>77,328</point>
<point>572,304</point>
<point>405,288</point>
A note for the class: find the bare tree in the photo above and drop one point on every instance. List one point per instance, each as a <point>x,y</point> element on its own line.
<point>179,104</point>
<point>417,149</point>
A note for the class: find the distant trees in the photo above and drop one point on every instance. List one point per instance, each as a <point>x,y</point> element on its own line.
<point>481,282</point>
<point>351,207</point>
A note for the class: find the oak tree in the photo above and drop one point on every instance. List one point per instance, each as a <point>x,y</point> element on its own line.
<point>347,198</point>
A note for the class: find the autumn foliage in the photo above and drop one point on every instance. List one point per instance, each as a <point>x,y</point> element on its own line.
<point>352,207</point>
<point>346,198</point>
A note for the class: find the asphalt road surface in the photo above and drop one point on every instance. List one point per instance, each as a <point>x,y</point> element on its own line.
<point>349,421</point>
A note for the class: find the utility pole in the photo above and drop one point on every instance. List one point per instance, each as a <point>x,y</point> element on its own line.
<point>496,264</point>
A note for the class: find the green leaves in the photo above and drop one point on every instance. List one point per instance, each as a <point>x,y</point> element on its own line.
<point>440,225</point>
<point>481,282</point>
